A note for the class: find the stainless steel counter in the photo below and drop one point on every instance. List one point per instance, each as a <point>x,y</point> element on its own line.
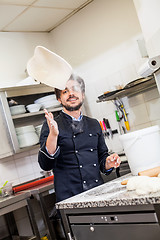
<point>24,199</point>
<point>13,202</point>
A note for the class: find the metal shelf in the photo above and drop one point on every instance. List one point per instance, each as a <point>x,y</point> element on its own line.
<point>26,149</point>
<point>129,91</point>
<point>24,115</point>
<point>26,90</point>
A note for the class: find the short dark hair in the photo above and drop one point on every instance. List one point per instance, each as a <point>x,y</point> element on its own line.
<point>72,77</point>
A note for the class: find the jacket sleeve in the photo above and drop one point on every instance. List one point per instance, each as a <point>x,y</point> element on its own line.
<point>102,152</point>
<point>46,161</point>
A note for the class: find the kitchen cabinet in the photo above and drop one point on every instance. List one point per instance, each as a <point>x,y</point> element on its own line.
<point>23,95</point>
<point>121,223</point>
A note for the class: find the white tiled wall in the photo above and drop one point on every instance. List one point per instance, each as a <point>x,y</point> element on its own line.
<point>20,168</point>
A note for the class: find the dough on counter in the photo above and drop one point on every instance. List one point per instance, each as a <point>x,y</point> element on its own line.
<point>144,184</point>
<point>134,182</point>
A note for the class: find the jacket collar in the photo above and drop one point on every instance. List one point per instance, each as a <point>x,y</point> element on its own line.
<point>72,118</point>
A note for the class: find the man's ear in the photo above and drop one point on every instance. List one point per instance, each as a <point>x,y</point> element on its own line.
<point>59,100</point>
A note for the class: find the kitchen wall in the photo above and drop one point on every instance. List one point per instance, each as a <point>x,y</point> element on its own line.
<point>16,49</point>
<point>149,18</point>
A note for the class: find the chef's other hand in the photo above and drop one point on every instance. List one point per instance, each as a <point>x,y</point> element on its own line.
<point>112,161</point>
<point>53,127</point>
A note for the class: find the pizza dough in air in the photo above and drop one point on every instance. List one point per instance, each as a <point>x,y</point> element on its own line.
<point>144,184</point>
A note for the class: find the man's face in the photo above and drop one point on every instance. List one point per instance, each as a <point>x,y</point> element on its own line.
<point>72,97</point>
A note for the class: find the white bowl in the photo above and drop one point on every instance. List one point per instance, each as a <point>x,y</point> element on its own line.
<point>33,107</point>
<point>49,104</point>
<point>19,109</point>
<point>27,139</point>
<point>25,129</point>
<point>51,98</point>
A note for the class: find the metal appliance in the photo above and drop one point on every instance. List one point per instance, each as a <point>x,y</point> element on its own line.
<point>122,223</point>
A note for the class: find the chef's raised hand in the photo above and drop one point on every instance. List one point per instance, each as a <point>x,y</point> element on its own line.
<point>112,161</point>
<point>53,127</point>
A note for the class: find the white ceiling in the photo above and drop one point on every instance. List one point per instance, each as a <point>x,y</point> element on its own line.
<point>36,15</point>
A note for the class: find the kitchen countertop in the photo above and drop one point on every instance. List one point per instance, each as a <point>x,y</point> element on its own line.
<point>5,201</point>
<point>109,194</point>
<point>13,202</point>
<point>18,197</point>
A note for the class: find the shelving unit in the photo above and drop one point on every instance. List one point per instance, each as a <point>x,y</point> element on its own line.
<point>131,89</point>
<point>24,95</point>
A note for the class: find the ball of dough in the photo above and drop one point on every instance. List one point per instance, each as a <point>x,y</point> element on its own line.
<point>135,181</point>
<point>144,184</point>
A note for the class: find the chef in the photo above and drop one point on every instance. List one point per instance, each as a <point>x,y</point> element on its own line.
<point>73,145</point>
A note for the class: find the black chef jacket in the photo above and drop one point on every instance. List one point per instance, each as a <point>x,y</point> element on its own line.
<point>81,154</point>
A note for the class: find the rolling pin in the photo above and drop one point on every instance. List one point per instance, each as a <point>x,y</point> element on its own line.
<point>153,172</point>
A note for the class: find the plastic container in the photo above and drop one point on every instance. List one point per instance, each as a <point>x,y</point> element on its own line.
<point>6,190</point>
<point>142,148</point>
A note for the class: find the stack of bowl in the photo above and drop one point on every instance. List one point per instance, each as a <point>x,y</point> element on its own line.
<point>48,101</point>
<point>27,136</point>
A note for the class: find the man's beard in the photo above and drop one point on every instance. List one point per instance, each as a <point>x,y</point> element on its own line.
<point>74,108</point>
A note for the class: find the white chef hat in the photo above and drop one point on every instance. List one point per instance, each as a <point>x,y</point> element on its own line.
<point>49,68</point>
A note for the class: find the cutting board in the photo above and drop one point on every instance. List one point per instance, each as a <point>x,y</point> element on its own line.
<point>153,172</point>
